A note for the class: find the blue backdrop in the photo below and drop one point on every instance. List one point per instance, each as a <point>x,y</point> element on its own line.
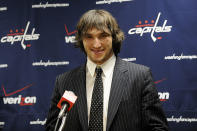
<point>36,44</point>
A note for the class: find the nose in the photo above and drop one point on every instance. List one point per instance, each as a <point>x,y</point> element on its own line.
<point>96,43</point>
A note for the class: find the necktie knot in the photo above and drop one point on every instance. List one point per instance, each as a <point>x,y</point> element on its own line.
<point>98,71</point>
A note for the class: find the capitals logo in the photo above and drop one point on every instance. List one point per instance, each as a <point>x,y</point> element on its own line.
<point>151,27</point>
<point>20,100</point>
<point>70,36</point>
<point>20,35</point>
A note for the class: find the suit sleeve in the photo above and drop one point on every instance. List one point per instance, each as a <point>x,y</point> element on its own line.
<point>152,112</point>
<point>53,110</point>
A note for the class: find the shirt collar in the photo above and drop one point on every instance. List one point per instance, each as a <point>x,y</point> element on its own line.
<point>107,67</point>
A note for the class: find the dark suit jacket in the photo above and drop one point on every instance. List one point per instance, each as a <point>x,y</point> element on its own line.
<point>133,103</point>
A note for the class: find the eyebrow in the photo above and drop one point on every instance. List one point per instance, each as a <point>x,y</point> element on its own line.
<point>103,32</point>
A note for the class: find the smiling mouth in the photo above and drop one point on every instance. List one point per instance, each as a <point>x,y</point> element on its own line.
<point>98,51</point>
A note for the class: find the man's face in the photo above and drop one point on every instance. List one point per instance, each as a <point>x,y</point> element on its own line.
<point>98,45</point>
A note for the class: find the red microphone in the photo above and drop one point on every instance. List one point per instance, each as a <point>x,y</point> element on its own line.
<point>66,102</point>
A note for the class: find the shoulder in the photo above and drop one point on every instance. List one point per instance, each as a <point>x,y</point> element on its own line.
<point>134,71</point>
<point>133,66</point>
<point>73,73</point>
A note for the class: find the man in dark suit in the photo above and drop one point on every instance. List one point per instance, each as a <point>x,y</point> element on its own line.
<point>129,100</point>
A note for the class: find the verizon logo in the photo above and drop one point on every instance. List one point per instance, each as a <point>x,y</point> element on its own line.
<point>70,38</point>
<point>163,96</point>
<point>22,101</point>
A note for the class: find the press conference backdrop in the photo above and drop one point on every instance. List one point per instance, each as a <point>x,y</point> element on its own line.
<point>36,45</point>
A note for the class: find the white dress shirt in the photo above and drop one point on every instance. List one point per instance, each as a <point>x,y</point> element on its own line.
<point>108,68</point>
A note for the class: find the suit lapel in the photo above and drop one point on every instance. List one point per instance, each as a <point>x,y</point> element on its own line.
<point>80,86</point>
<point>118,82</point>
<point>117,90</point>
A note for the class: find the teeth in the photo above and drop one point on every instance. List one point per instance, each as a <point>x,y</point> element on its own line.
<point>98,51</point>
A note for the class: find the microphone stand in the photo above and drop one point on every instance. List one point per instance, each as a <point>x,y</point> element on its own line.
<point>63,122</point>
<point>63,115</point>
<point>56,124</point>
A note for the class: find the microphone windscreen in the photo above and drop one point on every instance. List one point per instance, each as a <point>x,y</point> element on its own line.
<point>69,97</point>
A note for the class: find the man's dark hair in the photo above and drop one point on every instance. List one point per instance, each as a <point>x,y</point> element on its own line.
<point>99,19</point>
